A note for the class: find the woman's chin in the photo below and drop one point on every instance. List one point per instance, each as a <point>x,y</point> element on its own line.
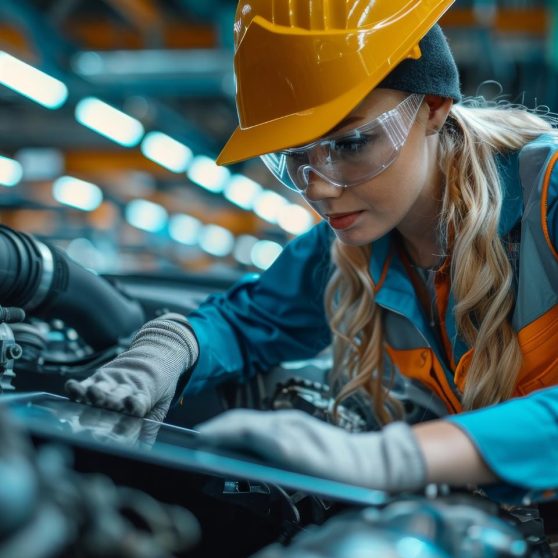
<point>358,237</point>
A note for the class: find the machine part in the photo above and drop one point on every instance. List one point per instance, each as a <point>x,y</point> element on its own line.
<point>47,283</point>
<point>33,342</point>
<point>264,499</point>
<point>49,511</point>
<point>355,414</point>
<point>416,528</point>
<point>11,315</point>
<point>315,399</point>
<point>9,352</point>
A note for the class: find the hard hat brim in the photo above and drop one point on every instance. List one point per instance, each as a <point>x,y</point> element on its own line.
<point>290,131</point>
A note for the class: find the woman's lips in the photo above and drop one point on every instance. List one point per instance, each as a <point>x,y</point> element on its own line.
<point>341,221</point>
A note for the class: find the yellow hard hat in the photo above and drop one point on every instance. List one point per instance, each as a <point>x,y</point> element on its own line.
<point>302,65</point>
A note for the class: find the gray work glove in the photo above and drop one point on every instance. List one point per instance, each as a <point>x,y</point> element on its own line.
<point>142,380</point>
<point>389,460</point>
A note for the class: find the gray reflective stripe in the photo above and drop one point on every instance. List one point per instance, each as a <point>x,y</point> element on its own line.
<point>538,268</point>
<point>400,333</point>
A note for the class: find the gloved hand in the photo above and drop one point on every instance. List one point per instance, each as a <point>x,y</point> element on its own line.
<point>388,460</point>
<point>142,380</point>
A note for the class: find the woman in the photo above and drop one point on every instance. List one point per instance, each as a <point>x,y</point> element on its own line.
<point>436,259</point>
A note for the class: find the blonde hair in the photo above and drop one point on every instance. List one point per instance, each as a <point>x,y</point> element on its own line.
<point>481,275</point>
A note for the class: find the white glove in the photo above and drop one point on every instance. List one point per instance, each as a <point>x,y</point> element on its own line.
<point>143,378</point>
<point>388,460</point>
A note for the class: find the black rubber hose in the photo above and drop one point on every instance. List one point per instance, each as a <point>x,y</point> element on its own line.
<point>46,283</point>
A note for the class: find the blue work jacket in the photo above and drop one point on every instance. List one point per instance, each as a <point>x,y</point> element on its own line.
<point>280,316</point>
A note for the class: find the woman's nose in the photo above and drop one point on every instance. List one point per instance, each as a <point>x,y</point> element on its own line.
<point>318,189</point>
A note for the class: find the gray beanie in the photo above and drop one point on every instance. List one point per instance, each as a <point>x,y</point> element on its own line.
<point>434,73</point>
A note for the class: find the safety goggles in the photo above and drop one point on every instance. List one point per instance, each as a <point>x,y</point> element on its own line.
<point>349,158</point>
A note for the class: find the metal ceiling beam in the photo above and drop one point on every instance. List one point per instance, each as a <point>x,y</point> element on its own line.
<point>103,36</point>
<point>48,45</point>
<point>506,20</point>
<point>143,14</point>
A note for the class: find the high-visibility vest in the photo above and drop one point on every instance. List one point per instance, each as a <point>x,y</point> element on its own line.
<point>441,361</point>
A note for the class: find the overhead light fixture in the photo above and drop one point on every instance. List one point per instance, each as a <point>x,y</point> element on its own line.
<point>31,83</point>
<point>166,151</point>
<point>294,219</point>
<point>10,171</point>
<point>243,248</point>
<point>41,163</point>
<point>179,63</point>
<point>264,253</point>
<point>207,174</point>
<point>216,240</point>
<point>109,121</point>
<point>242,191</point>
<point>185,229</point>
<point>146,215</point>
<point>268,205</point>
<point>77,193</point>
<point>83,251</point>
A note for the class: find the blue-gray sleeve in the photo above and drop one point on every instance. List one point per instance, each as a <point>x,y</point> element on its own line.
<point>518,440</point>
<point>264,320</point>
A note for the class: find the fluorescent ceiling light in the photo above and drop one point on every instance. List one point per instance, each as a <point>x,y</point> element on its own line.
<point>77,193</point>
<point>264,253</point>
<point>41,163</point>
<point>243,248</point>
<point>166,151</point>
<point>32,83</point>
<point>109,122</point>
<point>242,191</point>
<point>268,204</point>
<point>83,251</point>
<point>207,174</point>
<point>185,229</point>
<point>295,219</point>
<point>10,171</point>
<point>146,215</point>
<point>216,240</point>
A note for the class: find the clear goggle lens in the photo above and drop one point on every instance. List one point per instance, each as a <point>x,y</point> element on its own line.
<point>348,158</point>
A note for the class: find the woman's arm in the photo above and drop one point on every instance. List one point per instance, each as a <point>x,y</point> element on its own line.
<point>450,456</point>
<point>258,323</point>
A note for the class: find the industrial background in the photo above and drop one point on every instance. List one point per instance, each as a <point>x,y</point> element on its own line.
<point>108,149</point>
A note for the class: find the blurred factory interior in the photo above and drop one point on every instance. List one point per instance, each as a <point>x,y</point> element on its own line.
<point>108,146</point>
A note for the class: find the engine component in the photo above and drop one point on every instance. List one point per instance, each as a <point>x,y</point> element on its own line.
<point>410,528</point>
<point>315,399</point>
<point>9,349</point>
<point>46,283</point>
<point>356,413</point>
<point>32,341</point>
<point>46,509</point>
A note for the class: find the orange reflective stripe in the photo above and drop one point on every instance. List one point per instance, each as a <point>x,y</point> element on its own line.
<point>462,368</point>
<point>544,203</point>
<point>538,342</point>
<point>421,364</point>
<point>384,273</point>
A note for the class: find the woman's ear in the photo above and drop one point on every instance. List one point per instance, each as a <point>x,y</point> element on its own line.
<point>439,108</point>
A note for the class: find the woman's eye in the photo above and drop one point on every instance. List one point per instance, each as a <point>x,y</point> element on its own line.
<point>352,145</point>
<point>297,156</point>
